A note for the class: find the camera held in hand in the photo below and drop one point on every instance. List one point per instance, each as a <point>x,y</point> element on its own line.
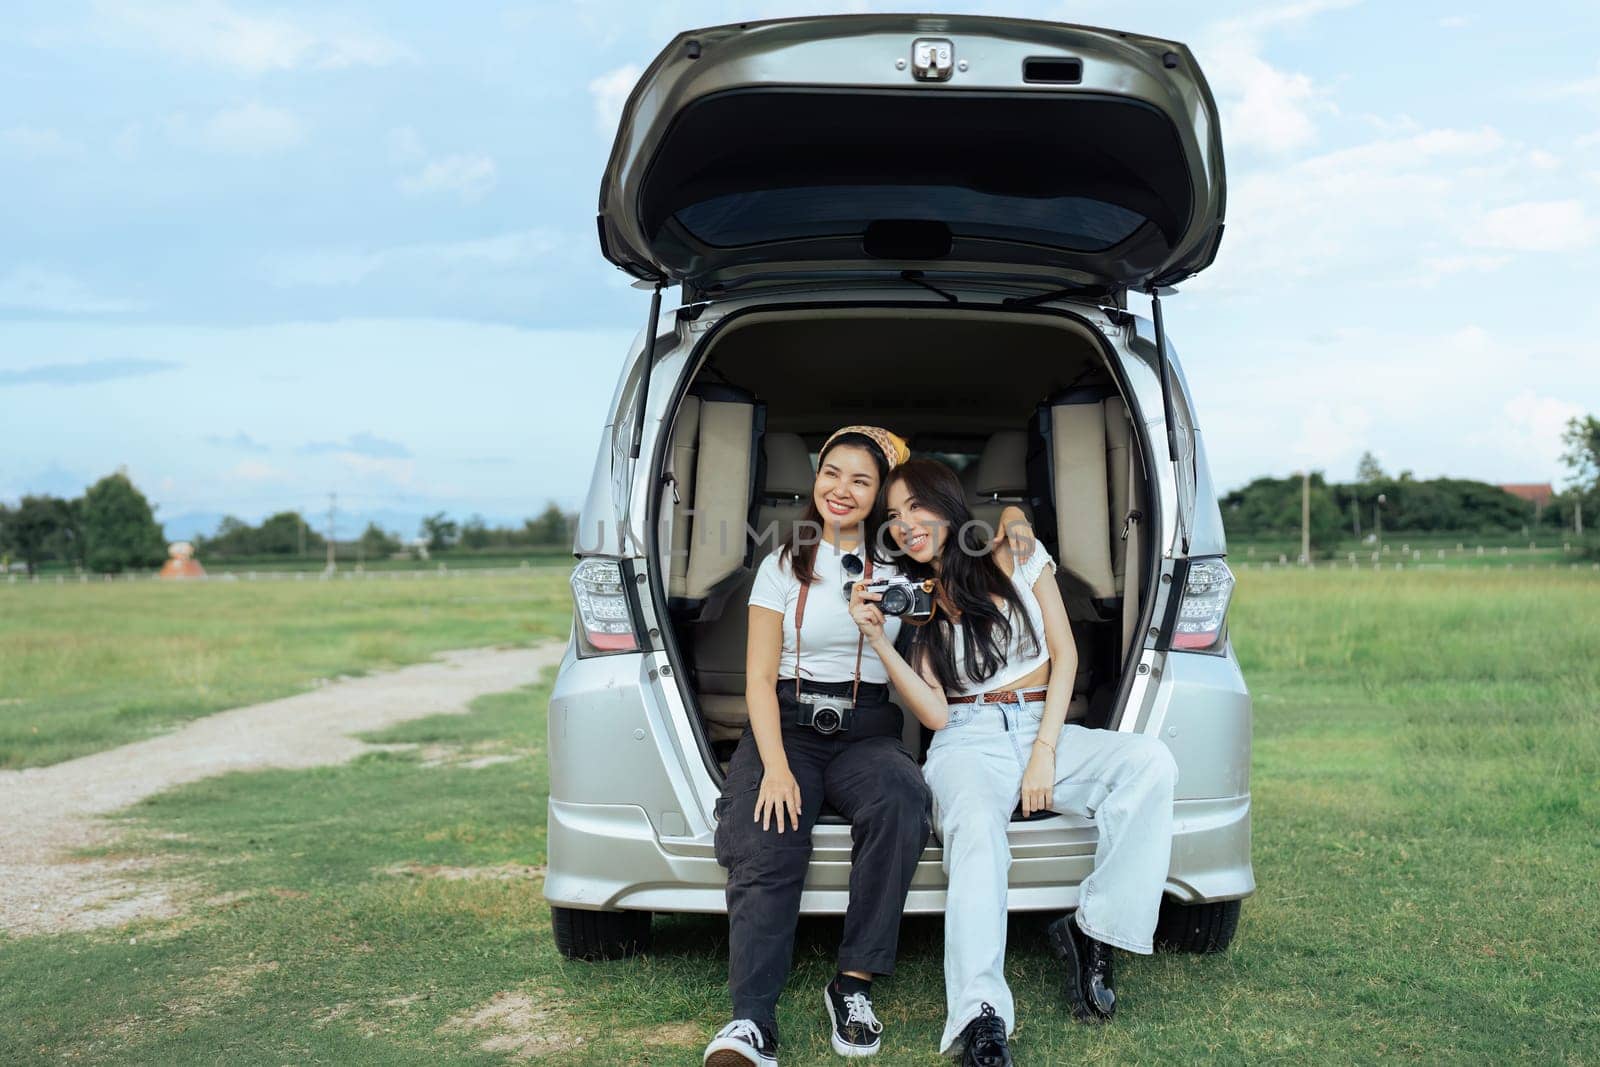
<point>911,600</point>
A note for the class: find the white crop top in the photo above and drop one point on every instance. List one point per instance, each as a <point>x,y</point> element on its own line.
<point>828,652</point>
<point>1019,663</point>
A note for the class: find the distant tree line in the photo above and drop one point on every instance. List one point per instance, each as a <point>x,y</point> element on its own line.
<point>110,528</point>
<point>1271,507</point>
<point>288,534</point>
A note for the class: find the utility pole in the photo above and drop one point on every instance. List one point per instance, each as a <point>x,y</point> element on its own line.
<point>1305,517</point>
<point>333,511</point>
<point>301,515</point>
<point>1377,518</point>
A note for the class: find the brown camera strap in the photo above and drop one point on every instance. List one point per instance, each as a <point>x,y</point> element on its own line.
<point>799,621</point>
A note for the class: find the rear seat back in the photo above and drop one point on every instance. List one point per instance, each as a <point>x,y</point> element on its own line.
<point>999,478</point>
<point>1080,454</point>
<point>718,651</point>
<point>715,468</point>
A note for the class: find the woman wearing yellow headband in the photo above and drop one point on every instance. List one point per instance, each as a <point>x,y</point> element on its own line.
<point>822,730</point>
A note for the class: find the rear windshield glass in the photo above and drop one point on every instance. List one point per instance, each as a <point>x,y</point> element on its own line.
<point>1075,172</point>
<point>1072,222</point>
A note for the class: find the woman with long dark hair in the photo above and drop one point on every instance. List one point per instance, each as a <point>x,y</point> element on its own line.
<point>822,730</point>
<point>992,673</point>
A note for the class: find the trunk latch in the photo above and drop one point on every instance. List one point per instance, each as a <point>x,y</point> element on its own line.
<point>932,59</point>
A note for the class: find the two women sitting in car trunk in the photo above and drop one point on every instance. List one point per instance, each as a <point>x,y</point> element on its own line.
<point>991,674</point>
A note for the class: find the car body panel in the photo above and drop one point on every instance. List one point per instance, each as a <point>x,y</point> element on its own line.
<point>711,176</point>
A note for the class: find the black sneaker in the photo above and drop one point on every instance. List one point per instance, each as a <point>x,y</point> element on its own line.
<point>984,1041</point>
<point>1088,964</point>
<point>741,1043</point>
<point>855,1028</point>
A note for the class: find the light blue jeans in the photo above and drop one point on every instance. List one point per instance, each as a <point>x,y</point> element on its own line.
<point>974,768</point>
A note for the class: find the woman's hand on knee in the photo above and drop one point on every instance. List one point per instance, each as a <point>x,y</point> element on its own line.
<point>779,795</point>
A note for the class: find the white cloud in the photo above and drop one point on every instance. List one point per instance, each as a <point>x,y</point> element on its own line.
<point>1579,87</point>
<point>405,146</point>
<point>34,145</point>
<point>1263,106</point>
<point>401,472</point>
<point>346,266</point>
<point>1375,208</point>
<point>468,176</point>
<point>1436,268</point>
<point>212,32</point>
<point>610,92</point>
<point>1537,226</point>
<point>33,288</point>
<point>255,470</point>
<point>1455,22</point>
<point>1539,159</point>
<point>1436,402</point>
<point>253,129</point>
<point>1531,425</point>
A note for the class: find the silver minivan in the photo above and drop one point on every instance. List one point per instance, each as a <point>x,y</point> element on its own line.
<point>930,223</point>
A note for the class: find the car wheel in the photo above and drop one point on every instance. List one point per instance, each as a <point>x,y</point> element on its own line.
<point>1197,927</point>
<point>600,935</point>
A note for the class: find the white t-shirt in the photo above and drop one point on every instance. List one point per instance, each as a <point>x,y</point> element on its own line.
<point>828,653</point>
<point>1020,659</point>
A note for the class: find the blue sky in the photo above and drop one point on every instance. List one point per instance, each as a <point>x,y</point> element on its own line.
<point>256,253</point>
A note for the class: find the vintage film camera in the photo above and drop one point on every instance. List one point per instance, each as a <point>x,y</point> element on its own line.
<point>910,599</point>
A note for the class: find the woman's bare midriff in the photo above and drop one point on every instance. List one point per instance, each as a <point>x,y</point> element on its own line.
<point>1035,678</point>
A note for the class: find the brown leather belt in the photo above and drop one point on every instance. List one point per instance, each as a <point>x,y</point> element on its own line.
<point>1002,696</point>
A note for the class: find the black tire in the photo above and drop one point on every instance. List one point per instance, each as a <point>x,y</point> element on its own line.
<point>600,935</point>
<point>1197,927</point>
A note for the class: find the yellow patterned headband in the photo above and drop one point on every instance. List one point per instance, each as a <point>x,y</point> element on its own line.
<point>893,447</point>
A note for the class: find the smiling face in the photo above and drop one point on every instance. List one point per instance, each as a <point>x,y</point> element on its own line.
<point>846,486</point>
<point>916,528</point>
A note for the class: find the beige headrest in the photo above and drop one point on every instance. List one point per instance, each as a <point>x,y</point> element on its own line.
<point>789,470</point>
<point>1003,465</point>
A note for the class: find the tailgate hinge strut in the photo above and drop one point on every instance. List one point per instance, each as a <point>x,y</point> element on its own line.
<point>647,366</point>
<point>1164,369</point>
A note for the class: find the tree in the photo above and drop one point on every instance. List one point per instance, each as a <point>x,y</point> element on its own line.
<point>475,533</point>
<point>376,543</point>
<point>1368,469</point>
<point>33,525</point>
<point>552,527</point>
<point>1582,457</point>
<point>440,531</point>
<point>279,535</point>
<point>119,526</point>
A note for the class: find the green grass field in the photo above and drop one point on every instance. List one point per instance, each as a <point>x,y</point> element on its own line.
<point>88,666</point>
<point>1425,782</point>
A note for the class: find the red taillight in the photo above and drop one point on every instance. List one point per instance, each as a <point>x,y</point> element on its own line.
<point>1203,611</point>
<point>605,618</point>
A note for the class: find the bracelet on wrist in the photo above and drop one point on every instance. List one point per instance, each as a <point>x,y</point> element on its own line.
<point>1046,744</point>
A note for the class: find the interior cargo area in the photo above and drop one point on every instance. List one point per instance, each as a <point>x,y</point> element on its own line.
<point>1023,406</point>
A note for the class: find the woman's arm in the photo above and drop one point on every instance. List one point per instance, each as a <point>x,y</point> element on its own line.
<point>763,648</point>
<point>1039,779</point>
<point>921,690</point>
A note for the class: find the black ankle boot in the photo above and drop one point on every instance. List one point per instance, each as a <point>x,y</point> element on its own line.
<point>1090,992</point>
<point>984,1041</point>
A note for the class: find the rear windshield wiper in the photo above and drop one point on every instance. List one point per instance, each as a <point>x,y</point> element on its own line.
<point>915,278</point>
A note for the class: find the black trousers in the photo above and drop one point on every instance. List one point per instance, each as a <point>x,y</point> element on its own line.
<point>875,784</point>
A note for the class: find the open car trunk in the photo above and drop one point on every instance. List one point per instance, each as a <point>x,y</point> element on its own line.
<point>1026,406</point>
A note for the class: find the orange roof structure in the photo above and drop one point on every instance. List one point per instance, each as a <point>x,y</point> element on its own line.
<point>1538,494</point>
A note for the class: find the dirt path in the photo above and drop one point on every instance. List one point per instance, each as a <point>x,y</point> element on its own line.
<point>48,812</point>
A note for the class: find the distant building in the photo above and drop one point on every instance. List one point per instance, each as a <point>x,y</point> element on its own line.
<point>1539,494</point>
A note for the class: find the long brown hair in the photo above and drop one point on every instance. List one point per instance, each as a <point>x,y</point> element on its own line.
<point>801,551</point>
<point>968,577</point>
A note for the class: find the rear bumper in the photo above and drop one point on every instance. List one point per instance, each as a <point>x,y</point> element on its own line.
<point>607,856</point>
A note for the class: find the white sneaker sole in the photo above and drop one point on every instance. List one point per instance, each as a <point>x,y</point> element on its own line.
<point>735,1054</point>
<point>849,1052</point>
